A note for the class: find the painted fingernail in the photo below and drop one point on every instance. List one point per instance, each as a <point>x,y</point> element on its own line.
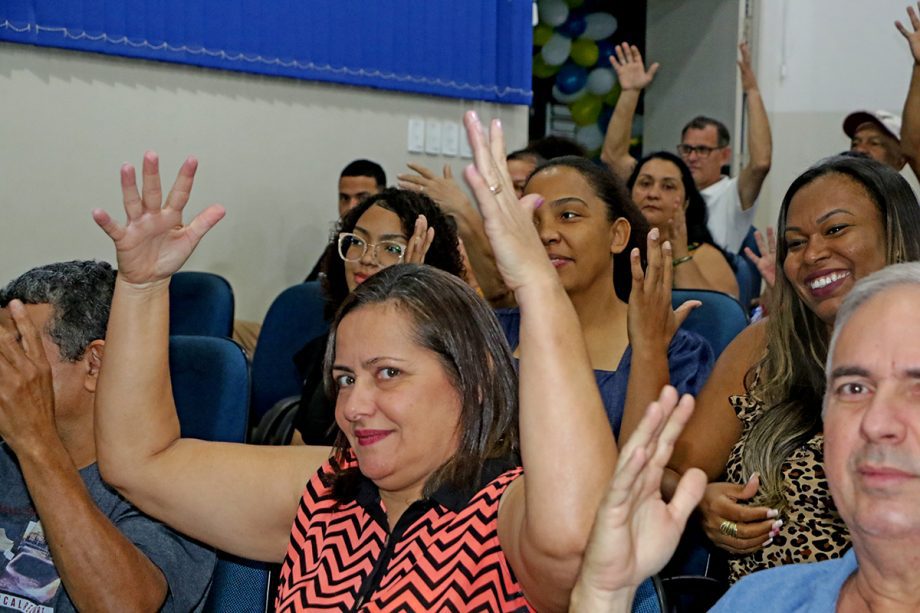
<point>666,245</point>
<point>767,542</point>
<point>777,524</point>
<point>538,203</point>
<point>772,513</point>
<point>653,234</point>
<point>498,123</point>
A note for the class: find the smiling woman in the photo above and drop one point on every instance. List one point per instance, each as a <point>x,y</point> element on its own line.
<point>840,221</point>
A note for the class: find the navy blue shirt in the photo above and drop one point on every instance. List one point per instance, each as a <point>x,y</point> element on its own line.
<point>690,360</point>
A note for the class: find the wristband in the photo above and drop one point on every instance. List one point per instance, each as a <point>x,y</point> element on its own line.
<point>678,261</point>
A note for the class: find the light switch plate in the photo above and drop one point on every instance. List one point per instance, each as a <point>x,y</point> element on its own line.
<point>433,136</point>
<point>416,135</point>
<point>450,138</point>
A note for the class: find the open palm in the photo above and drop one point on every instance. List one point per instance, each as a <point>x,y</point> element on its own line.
<point>153,244</point>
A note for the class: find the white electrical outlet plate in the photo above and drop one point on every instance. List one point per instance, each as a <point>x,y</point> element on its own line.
<point>416,135</point>
<point>450,138</point>
<point>433,136</point>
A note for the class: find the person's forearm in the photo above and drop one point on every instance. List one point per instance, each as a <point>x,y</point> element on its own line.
<point>494,290</point>
<point>910,127</point>
<point>100,568</point>
<point>135,411</point>
<point>615,152</point>
<point>648,373</point>
<point>567,448</point>
<point>760,141</point>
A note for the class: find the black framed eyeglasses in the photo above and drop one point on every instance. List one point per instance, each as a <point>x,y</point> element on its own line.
<point>700,150</point>
<point>352,248</point>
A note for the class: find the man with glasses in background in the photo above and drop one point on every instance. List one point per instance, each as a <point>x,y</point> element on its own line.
<point>705,149</point>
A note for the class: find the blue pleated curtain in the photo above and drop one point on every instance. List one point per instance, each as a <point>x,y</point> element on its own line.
<point>475,49</point>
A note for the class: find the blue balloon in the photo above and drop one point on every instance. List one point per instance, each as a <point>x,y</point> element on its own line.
<point>571,78</point>
<point>574,26</point>
<point>603,119</point>
<point>605,49</point>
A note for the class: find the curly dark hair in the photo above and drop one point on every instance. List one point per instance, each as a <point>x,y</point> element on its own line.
<point>444,252</point>
<point>611,190</point>
<point>80,294</point>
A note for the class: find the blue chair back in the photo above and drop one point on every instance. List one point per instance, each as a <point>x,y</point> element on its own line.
<point>718,320</point>
<point>753,278</point>
<point>650,597</point>
<point>210,380</point>
<point>200,304</point>
<point>293,319</point>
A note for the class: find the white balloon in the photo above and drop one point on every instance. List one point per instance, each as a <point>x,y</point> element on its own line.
<point>566,98</point>
<point>601,81</point>
<point>600,25</point>
<point>590,136</point>
<point>553,12</point>
<point>556,49</point>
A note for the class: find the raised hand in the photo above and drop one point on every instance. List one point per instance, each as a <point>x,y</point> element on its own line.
<point>748,80</point>
<point>154,243</point>
<point>419,242</point>
<point>913,38</point>
<point>443,190</point>
<point>635,531</point>
<point>26,389</point>
<point>766,261</point>
<point>507,221</point>
<point>737,528</point>
<point>631,72</point>
<point>651,320</point>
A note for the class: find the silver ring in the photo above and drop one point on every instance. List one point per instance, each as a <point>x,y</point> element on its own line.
<point>495,189</point>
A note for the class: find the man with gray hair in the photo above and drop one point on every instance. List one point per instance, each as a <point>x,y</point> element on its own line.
<point>67,540</point>
<point>871,457</point>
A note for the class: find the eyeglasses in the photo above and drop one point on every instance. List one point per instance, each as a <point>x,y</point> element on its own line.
<point>700,150</point>
<point>352,248</point>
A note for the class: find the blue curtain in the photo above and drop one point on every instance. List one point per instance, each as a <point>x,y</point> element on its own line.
<point>477,49</point>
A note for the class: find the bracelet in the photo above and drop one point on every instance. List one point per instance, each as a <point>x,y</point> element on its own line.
<point>678,261</point>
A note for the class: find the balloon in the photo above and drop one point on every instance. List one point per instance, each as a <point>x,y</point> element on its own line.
<point>590,136</point>
<point>584,52</point>
<point>614,95</point>
<point>541,34</point>
<point>553,12</point>
<point>541,69</point>
<point>586,109</point>
<point>605,49</point>
<point>574,4</point>
<point>601,81</point>
<point>567,98</point>
<point>574,26</point>
<point>604,119</point>
<point>556,49</point>
<point>571,78</point>
<point>600,25</point>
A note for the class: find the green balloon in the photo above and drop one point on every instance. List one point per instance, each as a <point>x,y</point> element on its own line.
<point>574,4</point>
<point>584,52</point>
<point>541,69</point>
<point>614,95</point>
<point>586,109</point>
<point>541,34</point>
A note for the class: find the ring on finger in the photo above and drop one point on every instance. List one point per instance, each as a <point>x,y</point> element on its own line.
<point>729,528</point>
<point>495,189</point>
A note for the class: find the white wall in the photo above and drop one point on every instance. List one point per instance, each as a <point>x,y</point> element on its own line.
<point>818,60</point>
<point>270,150</point>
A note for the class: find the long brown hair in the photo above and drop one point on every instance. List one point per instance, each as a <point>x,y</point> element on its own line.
<point>789,380</point>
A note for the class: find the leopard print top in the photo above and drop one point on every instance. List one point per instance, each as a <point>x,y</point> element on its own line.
<point>812,529</point>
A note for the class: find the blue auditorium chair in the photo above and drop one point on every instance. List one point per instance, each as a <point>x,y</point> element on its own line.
<point>200,304</point>
<point>210,380</point>
<point>718,320</point>
<point>293,319</point>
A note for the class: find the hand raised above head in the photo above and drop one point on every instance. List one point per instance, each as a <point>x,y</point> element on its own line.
<point>508,222</point>
<point>630,69</point>
<point>154,243</point>
<point>419,242</point>
<point>913,38</point>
